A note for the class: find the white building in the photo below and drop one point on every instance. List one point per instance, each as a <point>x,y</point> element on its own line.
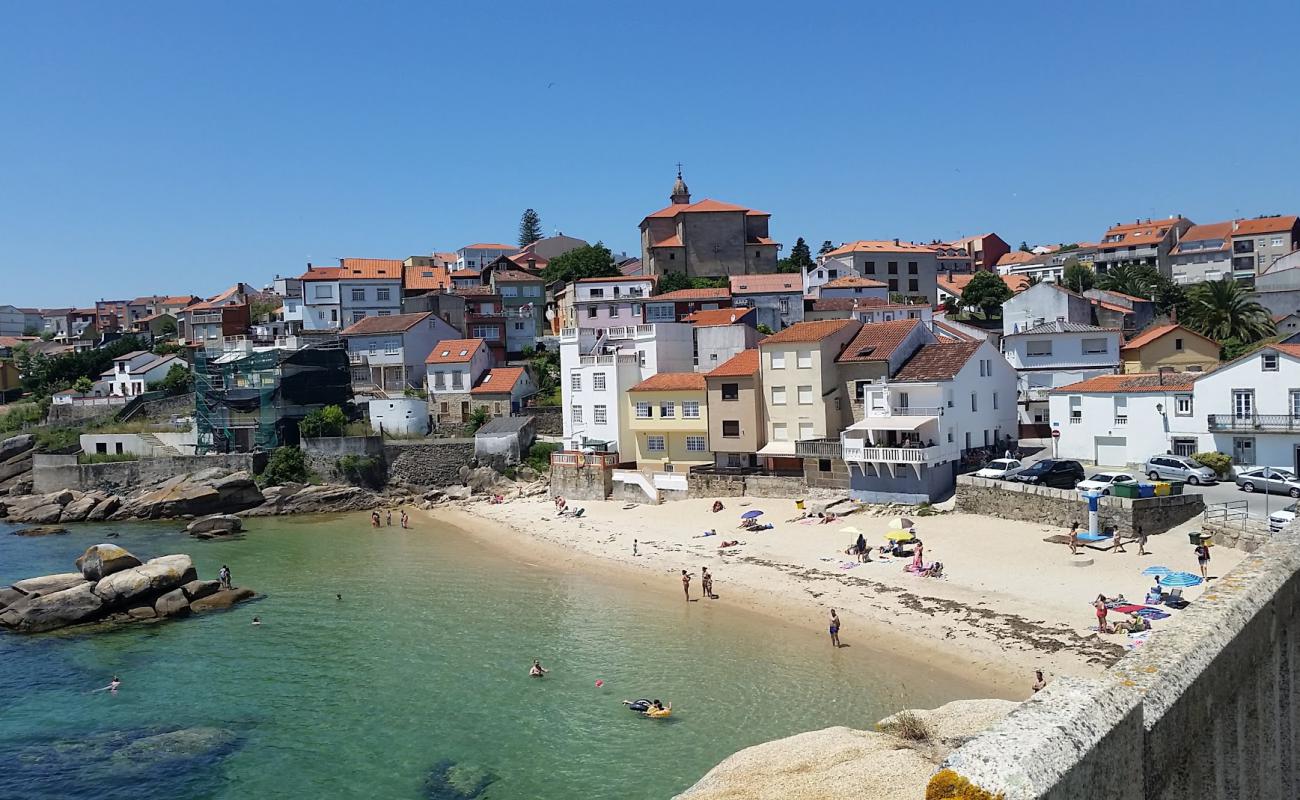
<point>1056,354</point>
<point>598,367</point>
<point>336,297</point>
<point>479,255</point>
<point>1043,303</point>
<point>389,352</point>
<point>399,415</point>
<point>133,372</point>
<point>320,299</point>
<point>905,268</point>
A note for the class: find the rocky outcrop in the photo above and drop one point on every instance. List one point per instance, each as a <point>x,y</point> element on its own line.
<point>325,499</point>
<point>41,530</point>
<point>16,463</point>
<point>16,446</point>
<point>215,525</point>
<point>115,586</point>
<point>199,494</point>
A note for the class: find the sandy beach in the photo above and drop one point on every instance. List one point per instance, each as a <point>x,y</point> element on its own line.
<point>1009,602</point>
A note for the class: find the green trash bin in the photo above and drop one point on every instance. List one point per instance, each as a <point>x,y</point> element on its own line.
<point>1129,490</point>
<point>1176,487</point>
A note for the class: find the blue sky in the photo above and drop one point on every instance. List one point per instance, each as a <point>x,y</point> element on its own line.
<point>178,147</point>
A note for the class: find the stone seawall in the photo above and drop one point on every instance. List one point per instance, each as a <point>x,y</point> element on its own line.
<point>322,454</point>
<point>431,462</point>
<point>549,419</point>
<point>1205,710</point>
<point>53,473</point>
<point>1060,507</point>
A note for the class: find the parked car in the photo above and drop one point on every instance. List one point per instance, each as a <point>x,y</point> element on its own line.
<point>1178,468</point>
<point>1051,472</point>
<point>1280,519</point>
<point>1269,479</point>
<point>1102,481</point>
<point>1000,468</point>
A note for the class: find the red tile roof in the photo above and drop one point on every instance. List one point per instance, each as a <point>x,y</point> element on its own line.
<point>718,317</point>
<point>956,284</point>
<point>671,382</point>
<point>370,268</point>
<point>807,332</point>
<point>1133,383</point>
<point>514,276</point>
<point>391,323</point>
<point>522,259</point>
<point>880,246</point>
<point>692,294</point>
<point>1136,233</point>
<point>936,362</point>
<point>878,341</point>
<point>454,351</point>
<point>1016,257</point>
<point>1112,307</point>
<point>322,274</point>
<point>705,205</point>
<point>179,300</point>
<point>669,241</point>
<point>766,284</point>
<point>740,365</point>
<point>853,280</point>
<point>425,278</point>
<point>489,246</point>
<point>498,380</point>
<point>1149,335</point>
<point>1260,225</point>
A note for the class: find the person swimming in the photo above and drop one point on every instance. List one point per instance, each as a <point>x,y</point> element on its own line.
<point>537,670</point>
<point>112,686</point>
<point>257,620</point>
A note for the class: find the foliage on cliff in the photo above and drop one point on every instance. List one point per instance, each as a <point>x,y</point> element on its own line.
<point>948,785</point>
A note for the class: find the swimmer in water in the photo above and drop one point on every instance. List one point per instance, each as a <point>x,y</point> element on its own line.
<point>339,596</point>
<point>257,620</point>
<point>112,686</point>
<point>537,670</point>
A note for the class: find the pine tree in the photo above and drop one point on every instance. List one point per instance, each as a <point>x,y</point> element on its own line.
<point>530,227</point>
<point>826,247</point>
<point>800,255</point>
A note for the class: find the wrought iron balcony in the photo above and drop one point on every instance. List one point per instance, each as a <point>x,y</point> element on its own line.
<point>1254,423</point>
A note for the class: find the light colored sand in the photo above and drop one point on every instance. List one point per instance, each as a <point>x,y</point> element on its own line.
<point>1010,603</point>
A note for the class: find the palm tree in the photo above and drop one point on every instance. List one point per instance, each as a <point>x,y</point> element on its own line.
<point>1134,280</point>
<point>1223,310</point>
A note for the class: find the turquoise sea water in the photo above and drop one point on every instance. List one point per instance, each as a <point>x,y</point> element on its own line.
<point>422,665</point>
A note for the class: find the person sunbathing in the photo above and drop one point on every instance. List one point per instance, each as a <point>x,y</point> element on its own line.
<point>717,506</point>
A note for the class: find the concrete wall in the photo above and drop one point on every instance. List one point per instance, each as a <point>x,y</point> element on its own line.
<point>703,485</point>
<point>548,419</point>
<point>52,473</point>
<point>1204,710</point>
<point>1060,507</point>
<point>590,482</point>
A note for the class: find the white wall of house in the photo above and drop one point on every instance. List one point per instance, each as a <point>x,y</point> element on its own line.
<point>1043,303</point>
<point>818,275</point>
<point>457,378</point>
<point>716,344</point>
<point>405,415</point>
<point>321,309</point>
<point>369,297</point>
<point>1048,360</point>
<point>1123,428</point>
<point>991,418</point>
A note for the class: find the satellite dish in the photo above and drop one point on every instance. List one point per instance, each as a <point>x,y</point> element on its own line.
<point>550,314</point>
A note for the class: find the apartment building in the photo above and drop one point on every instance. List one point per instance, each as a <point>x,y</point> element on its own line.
<point>852,287</point>
<point>737,415</point>
<point>605,302</point>
<point>668,419</point>
<point>1056,354</point>
<point>1241,249</point>
<point>905,268</point>
<point>1169,347</point>
<point>452,369</point>
<point>777,299</point>
<point>676,306</point>
<point>485,319</point>
<point>480,254</point>
<point>1140,243</point>
<point>866,310</point>
<point>983,250</point>
<point>523,303</point>
<point>721,334</point>
<point>1048,266</point>
<point>389,352</point>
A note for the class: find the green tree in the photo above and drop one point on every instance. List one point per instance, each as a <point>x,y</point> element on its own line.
<point>261,308</point>
<point>31,330</point>
<point>1170,298</point>
<point>43,374</point>
<point>286,465</point>
<point>800,255</point>
<point>179,380</point>
<point>478,417</point>
<point>1025,248</point>
<point>530,227</point>
<point>987,292</point>
<point>826,247</point>
<point>591,261</point>
<point>1077,277</point>
<point>167,326</point>
<point>764,329</point>
<point>328,421</point>
<point>1134,280</point>
<point>84,385</point>
<point>1032,280</point>
<point>672,282</point>
<point>1223,310</point>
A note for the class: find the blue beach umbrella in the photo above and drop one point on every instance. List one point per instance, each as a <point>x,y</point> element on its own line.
<point>1157,571</point>
<point>1178,580</point>
<point>751,514</point>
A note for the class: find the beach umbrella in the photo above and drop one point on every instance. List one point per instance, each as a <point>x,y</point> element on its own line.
<point>900,524</point>
<point>751,514</point>
<point>899,536</point>
<point>849,529</point>
<point>1157,571</point>
<point>1178,580</point>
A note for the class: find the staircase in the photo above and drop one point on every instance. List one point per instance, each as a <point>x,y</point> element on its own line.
<point>159,447</point>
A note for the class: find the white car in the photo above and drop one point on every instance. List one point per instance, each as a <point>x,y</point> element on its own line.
<point>1103,481</point>
<point>1280,519</point>
<point>1000,468</point>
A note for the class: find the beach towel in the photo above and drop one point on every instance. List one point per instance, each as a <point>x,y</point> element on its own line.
<point>1088,537</point>
<point>848,565</point>
<point>1151,613</point>
<point>1126,608</point>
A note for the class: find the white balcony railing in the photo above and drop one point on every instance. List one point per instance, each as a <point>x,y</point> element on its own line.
<point>854,450</point>
<point>620,358</point>
<point>904,411</point>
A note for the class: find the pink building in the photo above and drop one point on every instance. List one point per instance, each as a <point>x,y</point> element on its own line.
<point>608,302</point>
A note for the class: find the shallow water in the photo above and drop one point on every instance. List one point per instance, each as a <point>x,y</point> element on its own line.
<point>421,665</point>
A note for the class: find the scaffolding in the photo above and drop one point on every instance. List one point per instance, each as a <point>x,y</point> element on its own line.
<point>248,400</point>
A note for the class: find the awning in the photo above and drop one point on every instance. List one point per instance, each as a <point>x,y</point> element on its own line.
<point>894,423</point>
<point>777,449</point>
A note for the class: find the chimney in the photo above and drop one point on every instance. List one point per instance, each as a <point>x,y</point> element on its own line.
<point>1060,326</point>
<point>896,241</point>
<point>309,266</point>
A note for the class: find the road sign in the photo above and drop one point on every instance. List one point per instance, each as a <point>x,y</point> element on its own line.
<point>1056,434</point>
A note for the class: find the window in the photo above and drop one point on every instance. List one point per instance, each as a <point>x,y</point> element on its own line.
<point>384,313</point>
<point>860,389</point>
<point>779,432</point>
<point>778,395</point>
<point>636,310</point>
<point>1276,241</point>
<point>323,290</point>
<point>805,395</point>
<point>382,294</point>
<point>519,326</point>
<point>690,409</point>
<point>806,430</point>
<point>489,332</point>
<point>731,428</point>
<point>358,295</point>
<point>591,312</point>
<point>778,360</point>
<point>1121,410</point>
<point>1268,362</point>
<point>893,284</point>
<point>1076,410</point>
<point>440,380</point>
<point>667,409</point>
<point>803,359</point>
<point>458,380</point>
<point>655,444</point>
<point>597,293</point>
<point>1183,405</point>
<point>392,347</point>
<point>1178,344</point>
<point>911,268</point>
<point>1184,447</point>
<point>967,440</point>
<point>730,391</point>
<point>995,401</point>
<point>1295,403</point>
<point>1039,347</point>
<point>785,305</point>
<point>974,402</point>
<point>869,268</point>
<point>598,415</point>
<point>357,316</point>
<point>913,285</point>
<point>893,267</point>
<point>643,410</point>
<point>575,381</point>
<point>577,415</point>
<point>695,444</point>
<point>672,256</point>
<point>1094,347</point>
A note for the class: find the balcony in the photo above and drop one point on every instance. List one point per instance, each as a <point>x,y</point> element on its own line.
<point>817,448</point>
<point>855,451</point>
<point>620,358</point>
<point>1254,423</point>
<point>357,358</point>
<point>1122,252</point>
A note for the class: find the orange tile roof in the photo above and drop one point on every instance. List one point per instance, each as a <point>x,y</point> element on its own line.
<point>1016,257</point>
<point>1135,233</point>
<point>370,268</point>
<point>1133,383</point>
<point>454,351</point>
<point>322,274</point>
<point>671,382</point>
<point>766,284</point>
<point>804,332</point>
<point>1112,307</point>
<point>430,278</point>
<point>444,259</point>
<point>1292,350</point>
<point>740,365</point>
<point>718,317</point>
<point>721,293</point>
<point>498,380</point>
<point>522,259</point>
<point>705,205</point>
<point>1260,225</point>
<point>880,246</point>
<point>392,323</point>
<point>1149,335</point>
<point>936,362</point>
<point>180,299</point>
<point>669,241</point>
<point>878,341</point>
<point>489,246</point>
<point>956,284</point>
<point>514,276</point>
<point>853,280</point>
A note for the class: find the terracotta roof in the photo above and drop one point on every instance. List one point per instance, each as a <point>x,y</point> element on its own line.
<point>515,275</point>
<point>179,299</point>
<point>618,279</point>
<point>1201,233</point>
<point>1133,384</point>
<point>850,303</point>
<point>718,317</point>
<point>1292,350</point>
<point>477,289</point>
<point>430,278</point>
<point>766,284</point>
<point>322,274</point>
<point>705,205</point>
<point>392,323</point>
<point>1017,257</point>
<point>489,246</point>
<point>669,241</point>
<point>1260,225</point>
<point>370,268</point>
<point>721,293</point>
<point>498,380</point>
<point>1136,233</point>
<point>878,246</point>
<point>1113,307</point>
<point>631,267</point>
<point>809,331</point>
<point>1156,331</point>
<point>853,280</point>
<point>936,362</point>
<point>14,341</point>
<point>740,365</point>
<point>444,258</point>
<point>454,351</point>
<point>522,259</point>
<point>956,284</point>
<point>878,341</point>
<point>968,239</point>
<point>763,240</point>
<point>671,382</point>
<point>465,274</point>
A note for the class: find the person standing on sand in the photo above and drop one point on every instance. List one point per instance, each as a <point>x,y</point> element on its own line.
<point>389,518</point>
<point>634,547</point>
<point>1074,538</point>
<point>706,583</point>
<point>1100,605</point>
<point>835,629</point>
<point>1142,541</point>
<point>1119,542</point>
<point>686,585</point>
<point>406,521</point>
<point>1203,558</point>
<point>1039,681</point>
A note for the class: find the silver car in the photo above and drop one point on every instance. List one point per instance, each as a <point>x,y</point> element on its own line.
<point>1269,479</point>
<point>1178,468</point>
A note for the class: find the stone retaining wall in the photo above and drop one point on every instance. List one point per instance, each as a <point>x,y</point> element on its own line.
<point>322,454</point>
<point>775,486</point>
<point>1204,710</point>
<point>1248,535</point>
<point>52,473</point>
<point>549,419</point>
<point>700,485</point>
<point>428,462</point>
<point>1060,507</point>
<point>589,482</point>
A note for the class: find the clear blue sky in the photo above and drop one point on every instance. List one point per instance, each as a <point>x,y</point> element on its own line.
<point>177,147</point>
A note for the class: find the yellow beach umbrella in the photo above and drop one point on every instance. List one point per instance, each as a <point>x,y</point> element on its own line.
<point>899,536</point>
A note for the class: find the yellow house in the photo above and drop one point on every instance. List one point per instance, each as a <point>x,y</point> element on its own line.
<point>668,418</point>
<point>1172,346</point>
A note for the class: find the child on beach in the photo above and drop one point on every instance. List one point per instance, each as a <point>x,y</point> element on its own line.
<point>406,521</point>
<point>686,584</point>
<point>835,629</point>
<point>1074,538</point>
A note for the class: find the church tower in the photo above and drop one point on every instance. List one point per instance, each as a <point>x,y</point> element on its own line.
<point>681,196</point>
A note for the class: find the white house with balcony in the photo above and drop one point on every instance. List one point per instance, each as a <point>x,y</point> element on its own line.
<point>1056,354</point>
<point>945,399</point>
<point>605,302</point>
<point>598,367</point>
<point>133,372</point>
<point>389,352</point>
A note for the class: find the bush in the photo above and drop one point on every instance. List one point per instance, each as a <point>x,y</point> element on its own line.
<point>1219,462</point>
<point>539,456</point>
<point>948,785</point>
<point>478,418</point>
<point>286,465</point>
<point>20,415</point>
<point>328,421</point>
<point>361,470</point>
<point>907,725</point>
<point>54,440</point>
<point>179,380</point>
<point>106,458</point>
